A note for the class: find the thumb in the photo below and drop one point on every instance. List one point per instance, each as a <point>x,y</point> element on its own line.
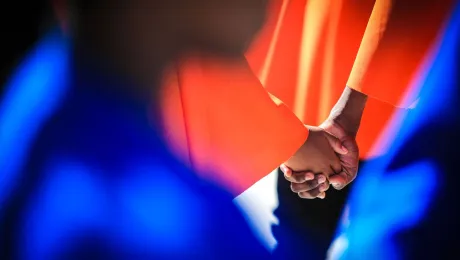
<point>336,144</point>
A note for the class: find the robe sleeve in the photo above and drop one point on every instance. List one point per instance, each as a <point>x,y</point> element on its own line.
<point>399,38</point>
<point>235,132</point>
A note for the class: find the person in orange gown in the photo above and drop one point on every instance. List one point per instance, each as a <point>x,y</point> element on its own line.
<point>231,130</point>
<point>304,56</point>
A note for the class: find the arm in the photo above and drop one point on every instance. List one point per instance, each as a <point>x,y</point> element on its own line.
<point>398,36</point>
<point>343,122</point>
<point>234,132</point>
<point>348,111</point>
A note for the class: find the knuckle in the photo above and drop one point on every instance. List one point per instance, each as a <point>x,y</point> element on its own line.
<point>324,187</point>
<point>312,184</point>
<point>293,187</point>
<point>299,178</point>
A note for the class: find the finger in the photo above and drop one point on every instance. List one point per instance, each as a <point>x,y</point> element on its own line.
<point>300,177</point>
<point>309,185</point>
<point>324,186</point>
<point>286,170</point>
<point>322,195</point>
<point>310,194</point>
<point>339,181</point>
<point>336,144</point>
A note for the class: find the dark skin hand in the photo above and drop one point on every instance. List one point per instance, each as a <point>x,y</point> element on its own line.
<point>317,155</point>
<point>306,184</point>
<point>343,123</point>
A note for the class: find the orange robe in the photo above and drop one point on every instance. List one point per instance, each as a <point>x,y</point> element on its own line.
<point>308,48</point>
<point>222,122</point>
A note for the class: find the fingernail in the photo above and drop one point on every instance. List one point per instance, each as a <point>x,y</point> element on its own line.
<point>344,149</point>
<point>336,185</point>
<point>321,179</point>
<point>308,177</point>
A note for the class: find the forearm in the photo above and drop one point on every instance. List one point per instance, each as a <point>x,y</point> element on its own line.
<point>348,110</point>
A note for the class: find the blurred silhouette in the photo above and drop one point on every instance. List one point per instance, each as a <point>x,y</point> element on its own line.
<point>85,173</point>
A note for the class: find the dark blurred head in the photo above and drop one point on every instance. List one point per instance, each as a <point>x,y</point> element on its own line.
<point>139,32</point>
<point>224,26</point>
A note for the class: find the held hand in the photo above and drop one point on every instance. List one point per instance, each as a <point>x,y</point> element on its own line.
<point>343,122</point>
<point>306,184</point>
<point>317,155</point>
<point>348,161</point>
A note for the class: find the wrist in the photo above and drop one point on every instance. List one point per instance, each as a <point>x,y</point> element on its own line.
<point>348,111</point>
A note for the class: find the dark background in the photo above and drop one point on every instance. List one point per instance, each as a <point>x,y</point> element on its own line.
<point>21,23</point>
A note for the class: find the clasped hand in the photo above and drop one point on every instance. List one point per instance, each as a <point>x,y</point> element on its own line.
<point>329,156</point>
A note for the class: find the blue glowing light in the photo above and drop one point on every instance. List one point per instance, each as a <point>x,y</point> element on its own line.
<point>71,199</point>
<point>31,95</point>
<point>400,202</point>
<point>381,205</point>
<point>143,207</point>
<point>146,210</point>
<point>157,211</point>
